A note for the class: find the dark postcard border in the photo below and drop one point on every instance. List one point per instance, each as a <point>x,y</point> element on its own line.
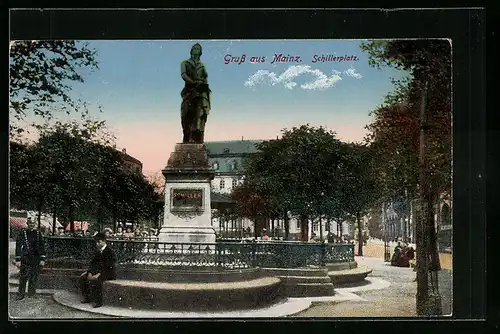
<point>461,26</point>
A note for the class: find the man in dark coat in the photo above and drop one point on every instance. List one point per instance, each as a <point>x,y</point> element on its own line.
<point>102,268</point>
<point>30,258</point>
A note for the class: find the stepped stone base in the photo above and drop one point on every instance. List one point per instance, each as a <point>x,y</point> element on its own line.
<point>193,296</point>
<point>341,266</point>
<point>303,282</point>
<point>358,274</point>
<point>295,271</point>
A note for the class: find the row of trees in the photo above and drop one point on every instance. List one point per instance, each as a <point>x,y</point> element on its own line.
<point>70,174</point>
<point>310,174</point>
<point>412,136</point>
<point>395,131</point>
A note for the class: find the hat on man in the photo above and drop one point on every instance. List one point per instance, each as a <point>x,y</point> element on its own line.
<point>99,236</point>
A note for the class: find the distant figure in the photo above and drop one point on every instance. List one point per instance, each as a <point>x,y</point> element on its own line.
<point>102,268</point>
<point>265,236</point>
<point>129,234</point>
<point>313,237</point>
<point>330,238</point>
<point>30,258</point>
<point>397,253</point>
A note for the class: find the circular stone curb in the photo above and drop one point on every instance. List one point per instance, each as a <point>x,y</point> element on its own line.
<point>280,309</point>
<point>375,283</point>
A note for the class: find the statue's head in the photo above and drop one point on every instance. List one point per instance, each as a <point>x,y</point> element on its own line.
<point>196,49</point>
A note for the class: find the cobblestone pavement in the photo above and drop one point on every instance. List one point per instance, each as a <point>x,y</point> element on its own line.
<point>44,307</point>
<point>396,300</point>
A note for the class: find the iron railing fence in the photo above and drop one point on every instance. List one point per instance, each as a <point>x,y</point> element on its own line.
<point>221,255</point>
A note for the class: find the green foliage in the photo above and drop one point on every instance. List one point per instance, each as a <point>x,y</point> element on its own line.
<point>359,181</point>
<point>40,77</point>
<point>70,172</point>
<point>309,173</point>
<point>394,132</point>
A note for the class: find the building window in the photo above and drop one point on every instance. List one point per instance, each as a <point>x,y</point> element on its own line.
<point>215,165</point>
<point>315,227</point>
<point>222,184</point>
<point>297,224</point>
<point>234,183</point>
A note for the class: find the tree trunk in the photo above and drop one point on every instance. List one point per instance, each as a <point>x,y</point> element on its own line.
<point>287,226</point>
<point>360,235</point>
<point>304,235</point>
<point>272,228</point>
<point>426,257</point>
<point>54,220</point>
<point>257,226</point>
<point>339,230</point>
<point>71,220</point>
<point>320,229</point>
<point>422,262</point>
<point>435,264</point>
<point>39,217</point>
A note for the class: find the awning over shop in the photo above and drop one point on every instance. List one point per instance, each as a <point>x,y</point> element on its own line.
<point>17,222</point>
<point>78,226</point>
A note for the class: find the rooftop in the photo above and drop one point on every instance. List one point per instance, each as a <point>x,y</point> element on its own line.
<point>232,147</point>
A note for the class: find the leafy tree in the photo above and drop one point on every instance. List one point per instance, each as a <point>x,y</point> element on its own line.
<point>395,130</point>
<point>40,77</point>
<point>361,186</point>
<point>429,64</point>
<point>252,203</point>
<point>18,176</point>
<point>296,173</point>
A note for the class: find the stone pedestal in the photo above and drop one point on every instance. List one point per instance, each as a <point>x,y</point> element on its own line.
<point>187,215</point>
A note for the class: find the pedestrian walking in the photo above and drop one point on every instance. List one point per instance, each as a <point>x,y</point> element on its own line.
<point>30,258</point>
<point>102,268</point>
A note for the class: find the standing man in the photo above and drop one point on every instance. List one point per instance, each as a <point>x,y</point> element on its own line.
<point>195,95</point>
<point>102,268</point>
<point>30,258</point>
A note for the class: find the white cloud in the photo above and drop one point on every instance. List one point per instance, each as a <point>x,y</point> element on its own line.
<point>320,80</point>
<point>352,73</point>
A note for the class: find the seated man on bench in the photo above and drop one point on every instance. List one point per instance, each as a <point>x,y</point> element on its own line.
<point>102,268</point>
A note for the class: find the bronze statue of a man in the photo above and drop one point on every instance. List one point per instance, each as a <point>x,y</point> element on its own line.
<point>195,95</point>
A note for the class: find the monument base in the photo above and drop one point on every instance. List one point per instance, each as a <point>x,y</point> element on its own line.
<point>181,234</point>
<point>187,213</point>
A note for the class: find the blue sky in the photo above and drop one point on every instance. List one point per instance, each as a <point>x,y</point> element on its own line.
<point>138,85</point>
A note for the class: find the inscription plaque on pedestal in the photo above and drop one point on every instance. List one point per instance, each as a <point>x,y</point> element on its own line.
<point>186,199</point>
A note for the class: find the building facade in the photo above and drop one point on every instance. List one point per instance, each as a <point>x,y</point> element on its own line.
<point>130,163</point>
<point>227,160</point>
<point>401,224</point>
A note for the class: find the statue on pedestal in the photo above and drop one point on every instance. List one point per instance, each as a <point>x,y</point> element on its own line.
<point>195,95</point>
